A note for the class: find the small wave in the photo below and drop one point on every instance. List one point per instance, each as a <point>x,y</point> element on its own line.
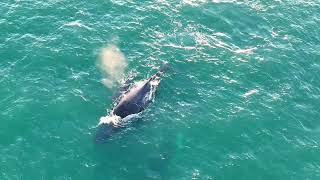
<point>251,92</point>
<point>245,51</point>
<point>77,24</point>
<point>179,46</point>
<point>194,2</point>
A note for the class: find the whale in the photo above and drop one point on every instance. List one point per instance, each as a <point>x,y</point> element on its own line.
<point>130,101</point>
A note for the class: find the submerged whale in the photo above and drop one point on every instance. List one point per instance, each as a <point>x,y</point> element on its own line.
<point>132,99</point>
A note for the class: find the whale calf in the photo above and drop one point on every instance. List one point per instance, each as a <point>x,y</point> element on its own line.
<point>131,100</point>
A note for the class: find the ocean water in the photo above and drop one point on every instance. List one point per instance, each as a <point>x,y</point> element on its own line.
<point>241,99</point>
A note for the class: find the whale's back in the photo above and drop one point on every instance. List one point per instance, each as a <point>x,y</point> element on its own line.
<point>134,101</point>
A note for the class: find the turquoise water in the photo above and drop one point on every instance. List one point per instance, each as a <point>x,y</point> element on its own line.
<point>241,100</point>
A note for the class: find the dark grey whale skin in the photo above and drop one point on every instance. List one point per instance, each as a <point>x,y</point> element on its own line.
<point>126,106</point>
<point>134,104</point>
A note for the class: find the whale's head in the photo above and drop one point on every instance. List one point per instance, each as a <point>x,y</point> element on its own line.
<point>107,127</point>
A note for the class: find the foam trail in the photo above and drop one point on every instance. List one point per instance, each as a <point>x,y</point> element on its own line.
<point>112,63</point>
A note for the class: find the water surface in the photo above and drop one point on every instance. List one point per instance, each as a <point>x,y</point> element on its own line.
<point>241,101</point>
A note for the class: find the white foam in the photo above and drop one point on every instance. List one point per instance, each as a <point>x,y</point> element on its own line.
<point>117,120</point>
<point>129,117</point>
<point>194,2</point>
<point>110,119</point>
<point>77,23</point>
<point>251,92</point>
<point>245,51</point>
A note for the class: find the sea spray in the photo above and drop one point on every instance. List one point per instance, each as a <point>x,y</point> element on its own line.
<point>113,63</point>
